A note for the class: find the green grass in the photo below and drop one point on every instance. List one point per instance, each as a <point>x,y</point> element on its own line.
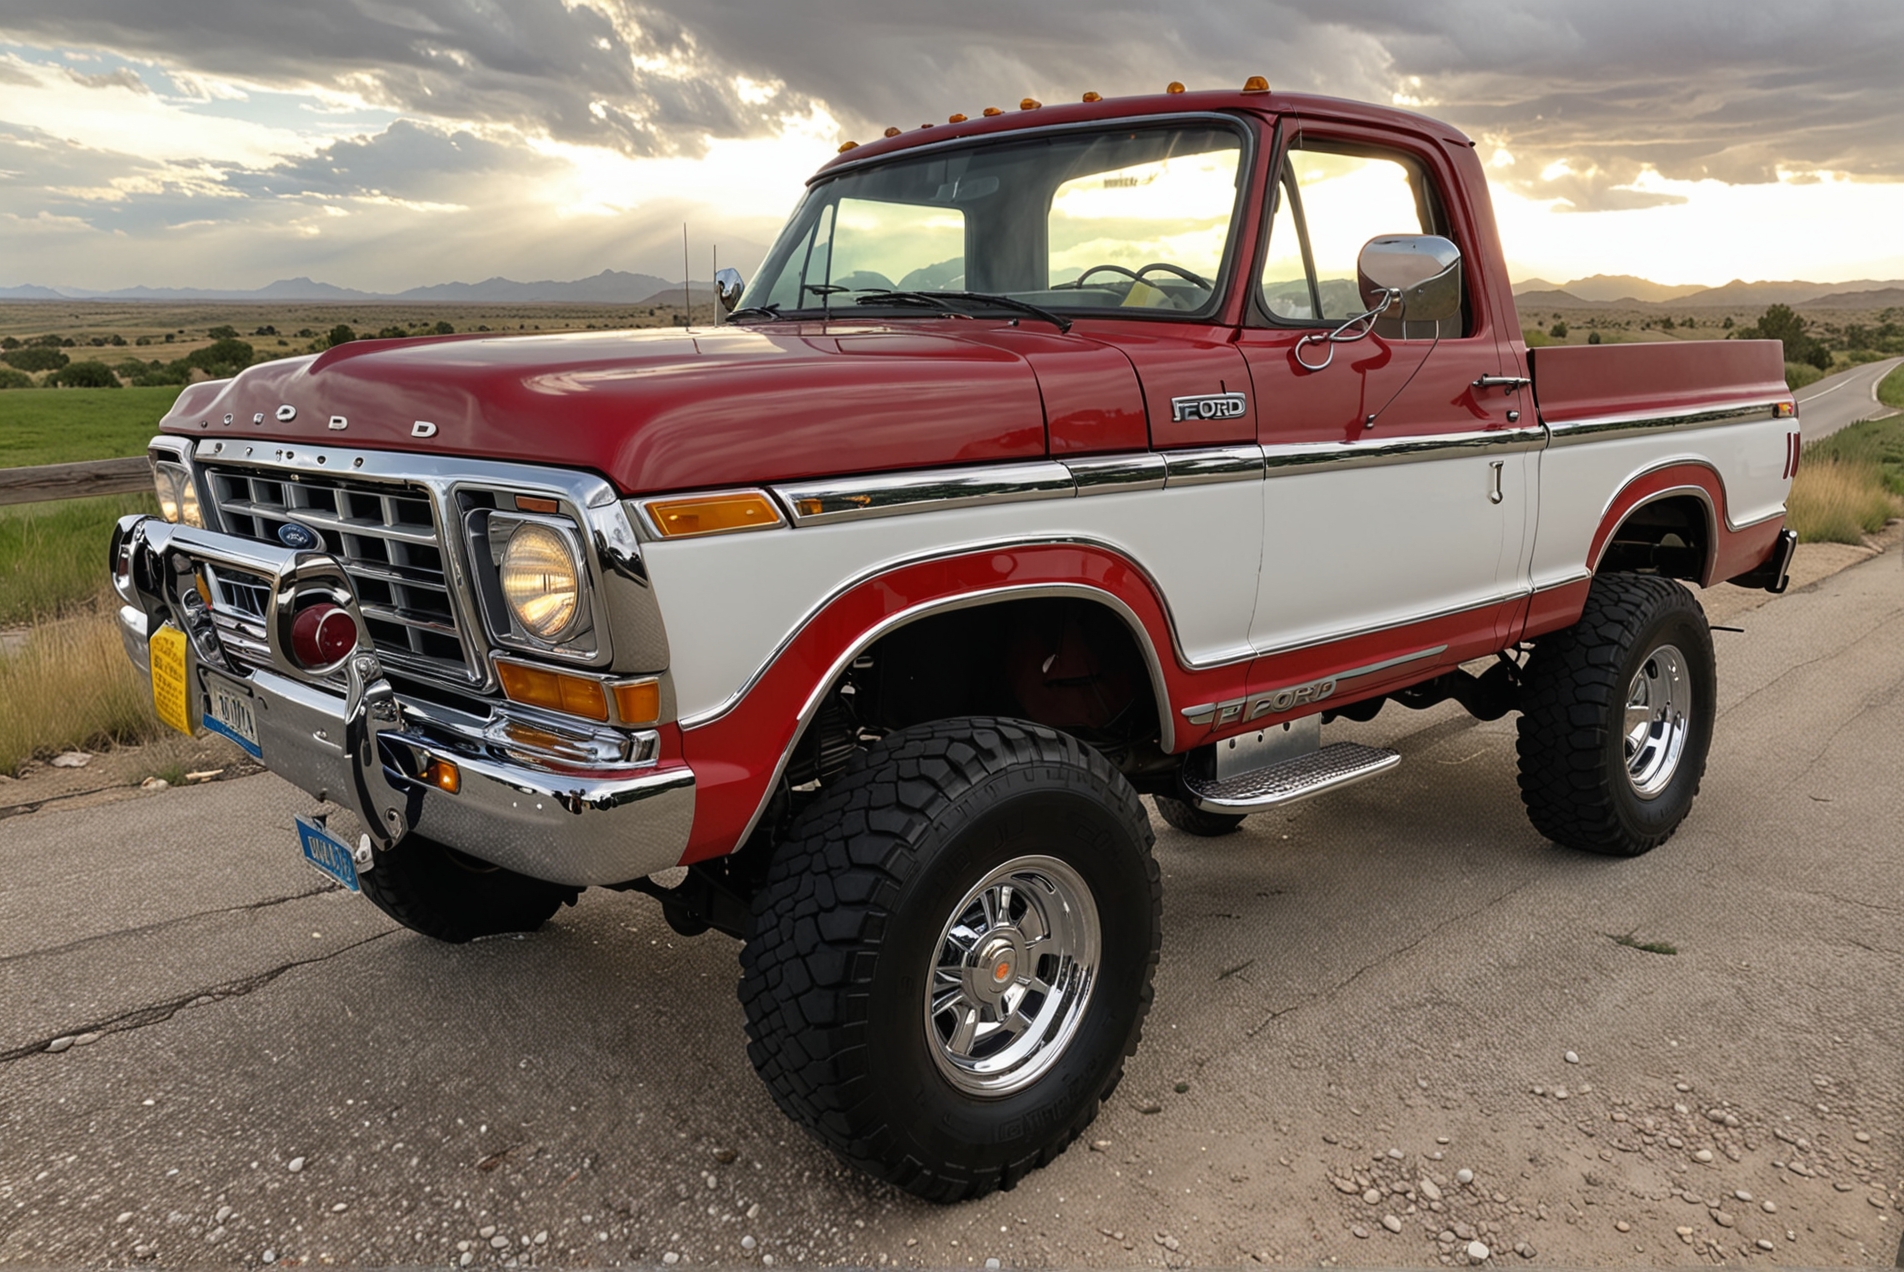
<point>1800,374</point>
<point>62,426</point>
<point>1879,443</point>
<point>1891,388</point>
<point>53,555</point>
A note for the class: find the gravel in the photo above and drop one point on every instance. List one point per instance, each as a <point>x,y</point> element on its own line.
<point>1477,1252</point>
<point>1391,1223</point>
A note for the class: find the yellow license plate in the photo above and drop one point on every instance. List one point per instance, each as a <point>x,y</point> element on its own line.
<point>171,690</point>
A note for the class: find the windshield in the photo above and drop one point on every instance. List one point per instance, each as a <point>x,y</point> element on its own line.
<point>1135,221</point>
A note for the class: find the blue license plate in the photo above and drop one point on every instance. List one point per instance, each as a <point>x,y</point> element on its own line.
<point>328,853</point>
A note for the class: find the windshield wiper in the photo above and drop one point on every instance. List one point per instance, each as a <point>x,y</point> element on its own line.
<point>771,310</point>
<point>941,300</point>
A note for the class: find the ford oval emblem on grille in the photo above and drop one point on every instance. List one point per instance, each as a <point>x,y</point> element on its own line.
<point>297,537</point>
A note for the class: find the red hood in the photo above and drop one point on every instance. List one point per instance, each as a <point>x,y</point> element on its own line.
<point>659,410</point>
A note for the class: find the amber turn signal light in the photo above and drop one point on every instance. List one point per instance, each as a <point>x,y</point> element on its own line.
<point>638,702</point>
<point>536,503</point>
<point>444,775</point>
<point>554,690</point>
<point>712,514</point>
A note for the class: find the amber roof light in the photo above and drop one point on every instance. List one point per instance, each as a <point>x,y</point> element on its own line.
<point>955,119</point>
<point>1092,97</point>
<point>848,145</point>
<point>893,131</point>
<point>1173,87</point>
<point>1256,84</point>
<point>1029,103</point>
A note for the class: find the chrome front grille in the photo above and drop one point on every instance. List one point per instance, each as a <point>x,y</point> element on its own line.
<point>385,536</point>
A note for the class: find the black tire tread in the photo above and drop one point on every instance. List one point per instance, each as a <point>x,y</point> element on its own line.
<point>1570,682</point>
<point>820,919</point>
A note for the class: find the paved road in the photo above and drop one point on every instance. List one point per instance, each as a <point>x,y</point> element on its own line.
<point>1845,398</point>
<point>1377,988</point>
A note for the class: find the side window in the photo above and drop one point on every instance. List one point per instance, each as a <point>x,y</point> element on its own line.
<point>1329,204</point>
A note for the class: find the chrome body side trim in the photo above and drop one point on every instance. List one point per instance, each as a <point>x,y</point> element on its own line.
<point>889,494</point>
<point>1322,457</point>
<point>947,605</point>
<point>1605,428</point>
<point>1209,465</point>
<point>1497,597</point>
<point>1115,474</point>
<point>1287,698</point>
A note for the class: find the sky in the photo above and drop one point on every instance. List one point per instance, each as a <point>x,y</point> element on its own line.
<point>385,144</point>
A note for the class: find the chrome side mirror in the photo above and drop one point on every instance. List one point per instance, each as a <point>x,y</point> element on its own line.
<point>1422,272</point>
<point>728,285</point>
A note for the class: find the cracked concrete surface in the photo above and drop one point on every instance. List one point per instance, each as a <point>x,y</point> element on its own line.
<point>1361,995</point>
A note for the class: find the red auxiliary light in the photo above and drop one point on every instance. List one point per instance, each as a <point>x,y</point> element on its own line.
<point>321,635</point>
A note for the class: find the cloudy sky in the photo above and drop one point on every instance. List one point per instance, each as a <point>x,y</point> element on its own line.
<point>388,143</point>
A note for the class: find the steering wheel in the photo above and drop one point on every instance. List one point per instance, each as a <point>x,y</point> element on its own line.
<point>1078,282</point>
<point>1178,270</point>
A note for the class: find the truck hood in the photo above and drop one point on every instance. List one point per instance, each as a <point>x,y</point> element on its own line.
<point>654,410</point>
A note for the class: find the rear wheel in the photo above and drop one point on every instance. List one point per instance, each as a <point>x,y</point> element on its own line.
<point>952,955</point>
<point>452,896</point>
<point>1616,718</point>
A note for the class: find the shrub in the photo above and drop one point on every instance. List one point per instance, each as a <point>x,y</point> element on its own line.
<point>1558,331</point>
<point>392,333</point>
<point>90,374</point>
<point>1536,338</point>
<point>224,356</point>
<point>222,333</point>
<point>443,329</point>
<point>9,342</point>
<point>11,379</point>
<point>49,341</point>
<point>341,334</point>
<point>1593,337</point>
<point>1799,374</point>
<point>35,357</point>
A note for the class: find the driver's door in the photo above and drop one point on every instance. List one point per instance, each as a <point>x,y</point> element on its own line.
<point>1387,503</point>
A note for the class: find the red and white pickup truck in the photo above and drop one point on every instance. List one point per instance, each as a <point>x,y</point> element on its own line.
<point>1052,458</point>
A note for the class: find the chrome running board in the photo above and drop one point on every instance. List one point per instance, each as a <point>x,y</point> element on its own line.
<point>1339,764</point>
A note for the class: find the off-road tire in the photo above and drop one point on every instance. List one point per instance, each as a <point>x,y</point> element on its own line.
<point>1193,820</point>
<point>1573,772</point>
<point>451,896</point>
<point>845,935</point>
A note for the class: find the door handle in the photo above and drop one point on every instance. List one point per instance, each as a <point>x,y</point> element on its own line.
<point>1508,382</point>
<point>1494,495</point>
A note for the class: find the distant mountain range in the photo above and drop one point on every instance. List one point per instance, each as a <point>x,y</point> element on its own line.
<point>608,287</point>
<point>1624,289</point>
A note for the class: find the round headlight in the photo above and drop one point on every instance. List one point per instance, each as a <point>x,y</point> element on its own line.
<point>541,581</point>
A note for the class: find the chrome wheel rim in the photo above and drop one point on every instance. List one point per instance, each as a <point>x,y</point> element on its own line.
<point>1657,721</point>
<point>1011,976</point>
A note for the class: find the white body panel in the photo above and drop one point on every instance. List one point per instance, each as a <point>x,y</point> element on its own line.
<point>1578,483</point>
<point>1357,549</point>
<point>731,601</point>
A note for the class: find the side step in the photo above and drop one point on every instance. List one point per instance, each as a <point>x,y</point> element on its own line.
<point>1338,764</point>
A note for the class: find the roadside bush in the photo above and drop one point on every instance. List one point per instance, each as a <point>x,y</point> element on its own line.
<point>443,329</point>
<point>179,372</point>
<point>1558,331</point>
<point>90,374</point>
<point>1536,338</point>
<point>11,379</point>
<point>9,342</point>
<point>1800,374</point>
<point>1593,337</point>
<point>1838,501</point>
<point>223,357</point>
<point>223,333</point>
<point>34,357</point>
<point>341,334</point>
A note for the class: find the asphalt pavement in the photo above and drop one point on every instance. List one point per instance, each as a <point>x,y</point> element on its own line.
<point>1845,398</point>
<point>1392,1026</point>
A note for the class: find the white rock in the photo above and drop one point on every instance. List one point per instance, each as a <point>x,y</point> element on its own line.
<point>1464,1176</point>
<point>1863,1137</point>
<point>1769,1207</point>
<point>1571,1058</point>
<point>155,784</point>
<point>1429,1189</point>
<point>748,1243</point>
<point>767,1259</point>
<point>1391,1223</point>
<point>992,1263</point>
<point>1395,1153</point>
<point>1702,1155</point>
<point>87,1039</point>
<point>72,759</point>
<point>125,1216</point>
<point>1477,1252</point>
<point>671,1258</point>
<point>59,1044</point>
<point>466,1258</point>
<point>1743,1195</point>
<point>1372,1196</point>
<point>486,1231</point>
<point>462,1245</point>
<point>499,1243</point>
<point>270,1256</point>
<point>542,1237</point>
<point>224,1213</point>
<point>1763,1244</point>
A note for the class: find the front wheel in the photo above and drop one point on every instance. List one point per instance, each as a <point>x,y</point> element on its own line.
<point>1616,718</point>
<point>953,952</point>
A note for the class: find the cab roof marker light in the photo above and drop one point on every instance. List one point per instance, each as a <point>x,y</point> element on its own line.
<point>955,119</point>
<point>1093,97</point>
<point>848,145</point>
<point>893,131</point>
<point>1256,84</point>
<point>1029,103</point>
<point>1174,86</point>
<point>991,111</point>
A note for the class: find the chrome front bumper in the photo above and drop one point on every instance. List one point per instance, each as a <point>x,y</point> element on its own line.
<point>362,747</point>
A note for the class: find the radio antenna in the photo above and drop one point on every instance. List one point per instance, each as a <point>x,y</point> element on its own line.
<point>687,292</point>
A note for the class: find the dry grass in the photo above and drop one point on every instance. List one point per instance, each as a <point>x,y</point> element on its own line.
<point>70,685</point>
<point>1839,501</point>
<point>53,555</point>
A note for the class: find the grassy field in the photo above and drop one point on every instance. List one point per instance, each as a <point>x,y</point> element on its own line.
<point>1850,483</point>
<point>60,426</point>
<point>1891,389</point>
<point>53,556</point>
